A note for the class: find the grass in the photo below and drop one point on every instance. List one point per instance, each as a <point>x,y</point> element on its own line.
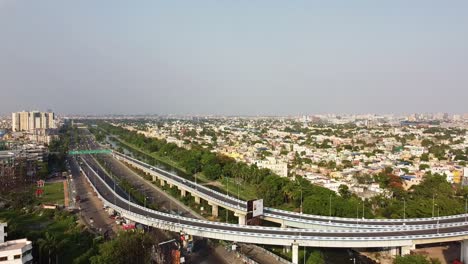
<point>152,155</point>
<point>62,225</point>
<point>246,191</point>
<point>53,193</point>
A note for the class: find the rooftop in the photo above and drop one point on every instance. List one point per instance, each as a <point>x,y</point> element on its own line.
<point>14,244</point>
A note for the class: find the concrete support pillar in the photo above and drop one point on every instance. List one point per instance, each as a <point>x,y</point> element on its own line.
<point>295,253</point>
<point>154,178</point>
<point>214,210</point>
<point>197,199</point>
<point>283,225</point>
<point>162,182</point>
<point>394,251</point>
<point>171,185</point>
<point>183,193</point>
<point>242,218</point>
<point>406,250</point>
<point>464,251</point>
<point>286,249</point>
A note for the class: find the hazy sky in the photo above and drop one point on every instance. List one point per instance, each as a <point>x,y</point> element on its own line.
<point>234,56</point>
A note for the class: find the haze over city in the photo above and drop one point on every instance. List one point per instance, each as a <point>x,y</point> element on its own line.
<point>233,57</point>
<point>233,132</point>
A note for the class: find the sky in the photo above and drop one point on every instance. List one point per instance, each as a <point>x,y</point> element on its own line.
<point>233,57</point>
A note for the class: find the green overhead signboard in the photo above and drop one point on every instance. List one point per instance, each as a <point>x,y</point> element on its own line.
<point>94,151</point>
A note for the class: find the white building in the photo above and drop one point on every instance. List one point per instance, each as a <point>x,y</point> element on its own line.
<point>3,234</point>
<point>280,168</point>
<point>26,121</point>
<point>17,251</point>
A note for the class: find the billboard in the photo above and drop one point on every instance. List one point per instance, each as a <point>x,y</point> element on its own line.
<point>257,209</point>
<point>254,210</point>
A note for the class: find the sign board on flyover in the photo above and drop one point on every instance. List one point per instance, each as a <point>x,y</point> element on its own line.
<point>94,151</point>
<point>254,210</point>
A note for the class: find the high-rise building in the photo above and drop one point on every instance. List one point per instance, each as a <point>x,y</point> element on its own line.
<point>24,121</point>
<point>51,120</point>
<point>15,117</point>
<point>44,120</point>
<point>27,121</point>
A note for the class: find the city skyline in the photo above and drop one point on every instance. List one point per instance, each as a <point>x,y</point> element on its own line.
<point>239,58</point>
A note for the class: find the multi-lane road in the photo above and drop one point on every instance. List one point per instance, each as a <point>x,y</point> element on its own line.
<point>395,237</point>
<point>105,184</point>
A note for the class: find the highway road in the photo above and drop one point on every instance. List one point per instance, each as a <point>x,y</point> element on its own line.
<point>106,191</point>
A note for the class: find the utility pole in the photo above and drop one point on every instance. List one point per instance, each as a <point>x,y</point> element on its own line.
<point>329,211</point>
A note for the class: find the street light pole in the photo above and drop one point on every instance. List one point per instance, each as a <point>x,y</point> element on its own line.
<point>433,204</point>
<point>404,209</point>
<point>363,210</point>
<point>357,213</point>
<point>305,254</point>
<point>238,193</point>
<point>301,202</point>
<point>465,207</point>
<point>128,194</point>
<point>227,194</point>
<point>329,209</point>
<point>115,194</point>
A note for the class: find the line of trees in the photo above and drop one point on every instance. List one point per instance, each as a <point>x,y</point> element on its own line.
<point>273,189</point>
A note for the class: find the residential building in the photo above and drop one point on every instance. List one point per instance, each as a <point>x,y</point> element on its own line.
<point>274,165</point>
<point>27,121</point>
<point>17,251</point>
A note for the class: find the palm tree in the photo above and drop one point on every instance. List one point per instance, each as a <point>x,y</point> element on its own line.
<point>47,244</point>
<point>288,191</point>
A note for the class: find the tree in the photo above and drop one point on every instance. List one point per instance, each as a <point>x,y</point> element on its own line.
<point>425,157</point>
<point>426,143</point>
<point>47,245</point>
<point>316,257</point>
<point>344,192</point>
<point>212,172</point>
<point>423,166</point>
<point>414,259</point>
<point>128,247</point>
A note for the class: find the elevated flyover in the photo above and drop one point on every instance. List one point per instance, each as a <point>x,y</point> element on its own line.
<point>399,240</point>
<point>285,218</point>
